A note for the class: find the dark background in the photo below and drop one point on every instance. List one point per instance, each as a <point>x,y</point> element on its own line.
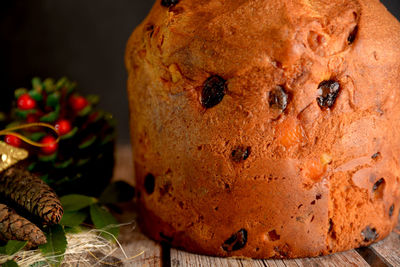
<point>81,39</point>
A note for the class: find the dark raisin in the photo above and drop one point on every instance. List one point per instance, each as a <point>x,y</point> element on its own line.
<point>149,183</point>
<point>391,209</point>
<point>378,188</point>
<point>151,33</point>
<point>166,238</point>
<point>369,234</point>
<point>327,93</point>
<point>169,3</point>
<point>278,98</point>
<point>318,196</point>
<point>240,154</point>
<point>282,251</point>
<point>376,155</point>
<point>213,91</point>
<point>150,28</point>
<point>377,184</point>
<point>236,241</point>
<point>165,188</point>
<point>333,235</point>
<point>273,236</point>
<point>330,225</point>
<point>352,35</point>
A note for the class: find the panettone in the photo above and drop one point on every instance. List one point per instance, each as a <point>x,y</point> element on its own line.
<point>266,129</point>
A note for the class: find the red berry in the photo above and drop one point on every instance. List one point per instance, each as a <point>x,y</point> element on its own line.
<point>31,118</point>
<point>13,140</point>
<point>63,127</point>
<point>78,102</point>
<point>51,145</point>
<point>26,102</point>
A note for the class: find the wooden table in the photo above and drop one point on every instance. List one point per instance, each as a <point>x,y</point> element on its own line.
<point>384,253</point>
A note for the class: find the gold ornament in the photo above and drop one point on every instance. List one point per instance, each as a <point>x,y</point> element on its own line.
<point>10,155</point>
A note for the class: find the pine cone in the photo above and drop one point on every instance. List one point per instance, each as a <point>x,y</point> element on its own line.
<point>30,193</point>
<point>15,227</point>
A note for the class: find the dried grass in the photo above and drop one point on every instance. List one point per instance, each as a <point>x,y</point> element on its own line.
<point>88,248</point>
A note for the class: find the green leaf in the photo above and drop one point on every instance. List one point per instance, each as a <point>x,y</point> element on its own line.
<point>10,263</point>
<point>53,100</point>
<point>82,162</point>
<point>73,218</point>
<point>31,166</point>
<point>84,112</point>
<point>19,92</point>
<point>62,180</point>
<point>45,178</point>
<point>104,220</point>
<point>51,116</point>
<point>75,229</point>
<point>70,134</point>
<point>37,136</point>
<point>61,83</point>
<point>13,246</point>
<point>37,84</point>
<point>24,113</point>
<point>69,87</point>
<point>93,99</point>
<point>117,192</point>
<point>36,95</point>
<point>13,124</point>
<point>87,142</point>
<point>47,158</point>
<point>49,85</point>
<point>63,165</point>
<point>55,246</point>
<point>109,138</point>
<point>76,202</point>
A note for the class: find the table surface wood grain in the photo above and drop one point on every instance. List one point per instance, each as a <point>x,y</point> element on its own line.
<point>384,253</point>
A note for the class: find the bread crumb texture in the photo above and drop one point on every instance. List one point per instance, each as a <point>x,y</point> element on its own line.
<point>266,129</point>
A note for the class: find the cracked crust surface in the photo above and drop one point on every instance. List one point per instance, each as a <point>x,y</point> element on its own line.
<point>309,174</point>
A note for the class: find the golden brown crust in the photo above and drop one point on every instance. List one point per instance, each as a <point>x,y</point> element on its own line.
<point>310,182</point>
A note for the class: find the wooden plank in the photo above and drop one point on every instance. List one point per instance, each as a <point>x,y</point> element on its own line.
<point>281,263</point>
<point>123,169</point>
<point>181,258</point>
<point>290,263</point>
<point>139,250</point>
<point>389,248</point>
<point>349,258</point>
<point>352,258</point>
